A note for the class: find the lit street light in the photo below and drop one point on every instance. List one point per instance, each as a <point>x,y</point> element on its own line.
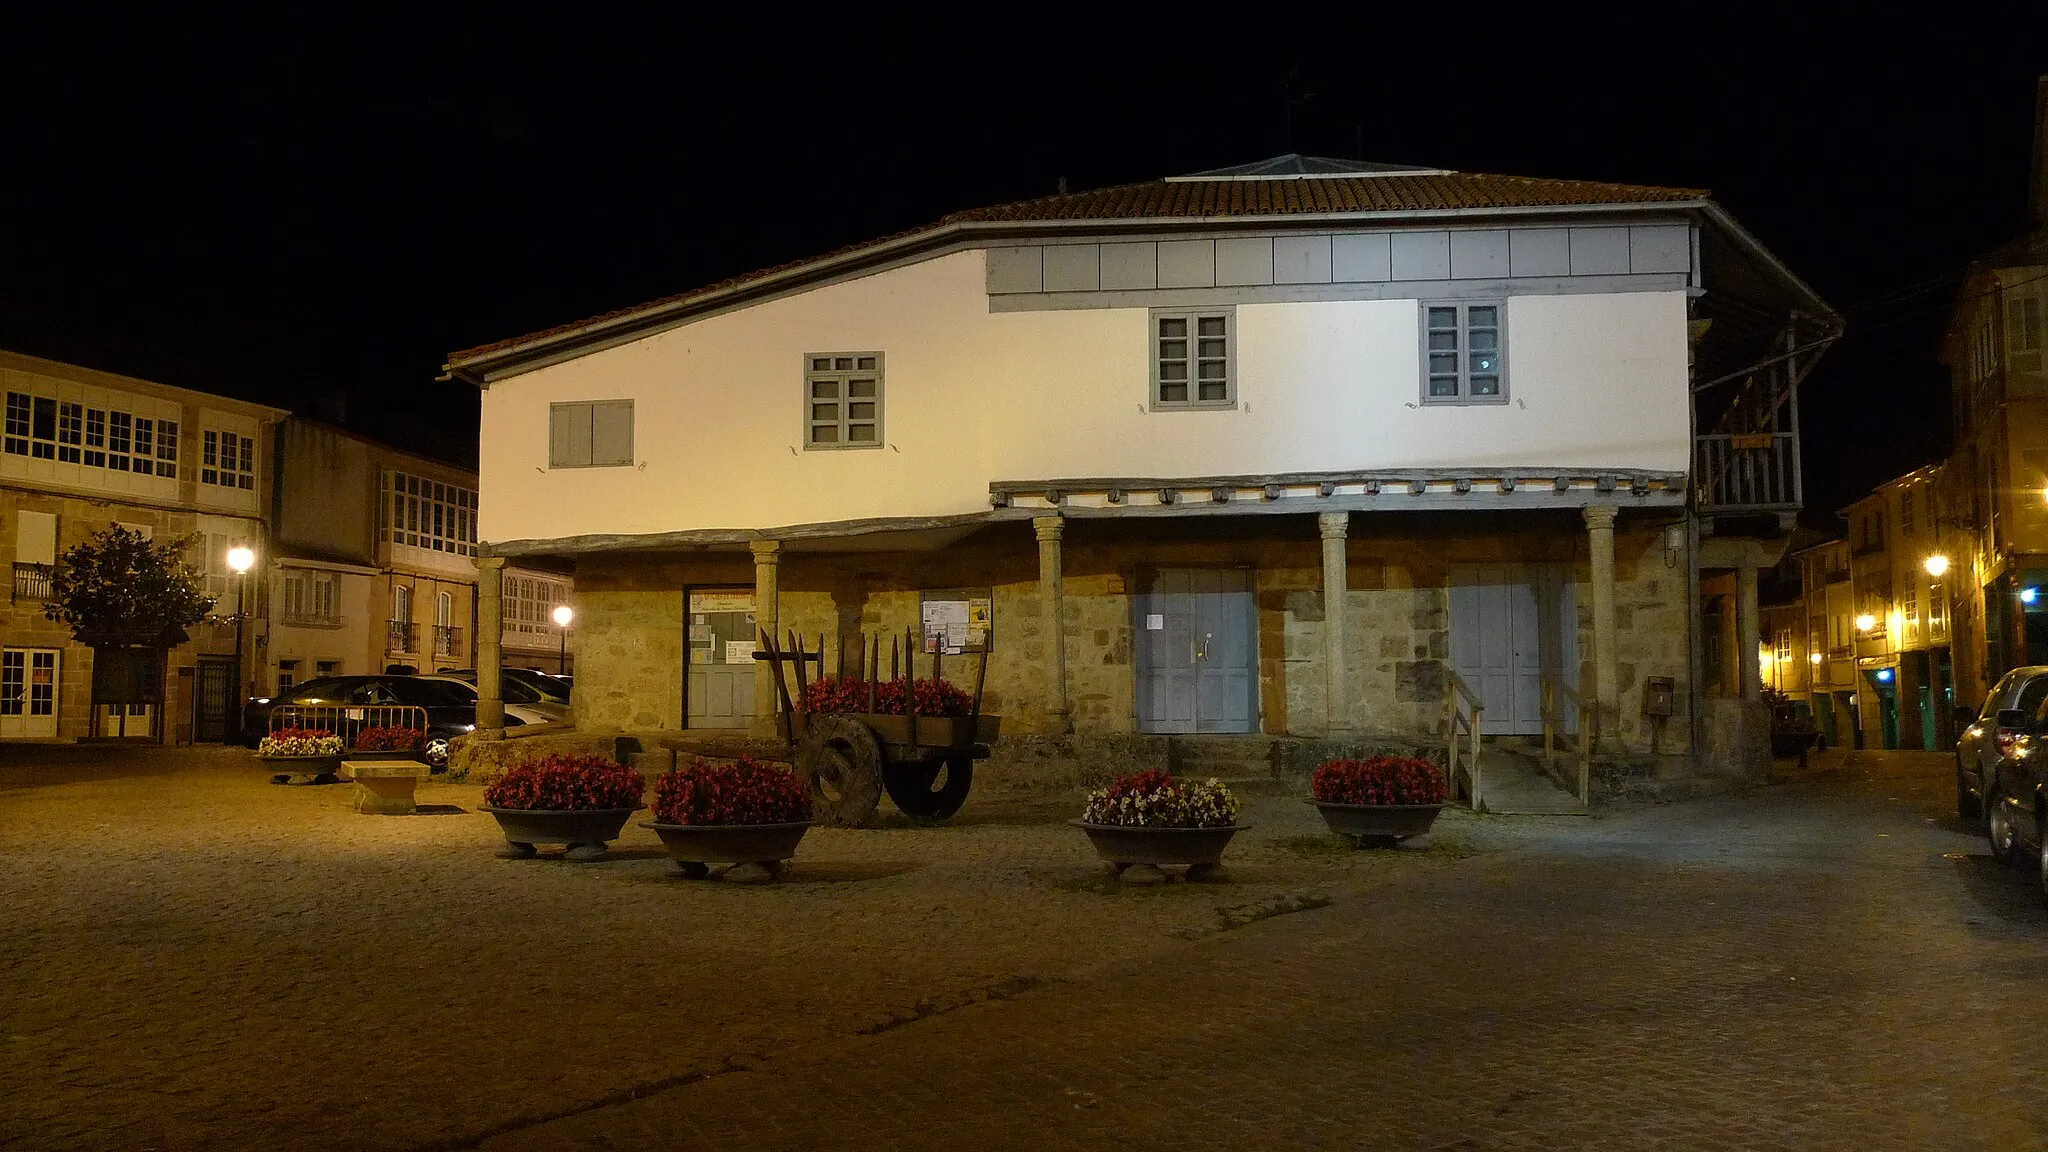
<point>240,559</point>
<point>563,614</point>
<point>1936,565</point>
<point>1865,622</point>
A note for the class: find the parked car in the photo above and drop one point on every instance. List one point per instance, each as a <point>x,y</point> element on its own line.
<point>553,689</point>
<point>450,707</point>
<point>519,700</point>
<point>1985,740</point>
<point>2016,792</point>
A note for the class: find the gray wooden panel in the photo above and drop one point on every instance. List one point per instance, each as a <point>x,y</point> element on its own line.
<point>1244,260</point>
<point>1367,257</point>
<point>1015,270</point>
<point>1599,251</point>
<point>1165,672</point>
<point>1225,686</point>
<point>1479,254</point>
<point>1539,252</point>
<point>1422,255</point>
<point>1301,259</point>
<point>1073,268</point>
<point>611,432</point>
<point>1187,264</point>
<point>568,435</point>
<point>1660,248</point>
<point>1126,266</point>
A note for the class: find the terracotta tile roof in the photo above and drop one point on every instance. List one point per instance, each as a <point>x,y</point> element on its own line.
<point>1208,197</point>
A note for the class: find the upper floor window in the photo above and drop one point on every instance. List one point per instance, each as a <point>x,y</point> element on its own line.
<point>529,604</point>
<point>843,400</point>
<point>1463,359</point>
<point>68,432</point>
<point>31,426</point>
<point>2023,323</point>
<point>422,513</point>
<point>225,459</point>
<point>590,434</point>
<point>312,598</point>
<point>1906,512</point>
<point>1194,359</point>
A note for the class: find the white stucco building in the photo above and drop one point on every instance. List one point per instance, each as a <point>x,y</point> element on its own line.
<point>1306,447</point>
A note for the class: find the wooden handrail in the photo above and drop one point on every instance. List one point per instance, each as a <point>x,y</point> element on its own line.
<point>1553,688</point>
<point>1455,719</point>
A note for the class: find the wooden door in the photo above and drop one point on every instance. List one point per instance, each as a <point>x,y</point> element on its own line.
<point>1197,657</point>
<point>1511,625</point>
<point>721,638</point>
<point>213,718</point>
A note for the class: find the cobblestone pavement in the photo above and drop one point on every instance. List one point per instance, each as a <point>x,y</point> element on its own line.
<point>203,961</point>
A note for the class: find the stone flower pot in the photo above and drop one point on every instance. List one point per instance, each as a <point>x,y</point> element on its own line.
<point>1379,824</point>
<point>586,832</point>
<point>756,851</point>
<point>1137,852</point>
<point>313,769</point>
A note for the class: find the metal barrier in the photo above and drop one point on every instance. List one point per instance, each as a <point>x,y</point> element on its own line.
<point>348,720</point>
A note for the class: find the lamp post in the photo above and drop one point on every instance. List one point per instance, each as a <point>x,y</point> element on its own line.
<point>240,559</point>
<point>563,614</point>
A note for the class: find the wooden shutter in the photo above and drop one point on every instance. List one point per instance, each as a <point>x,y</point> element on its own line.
<point>611,433</point>
<point>35,540</point>
<point>568,435</point>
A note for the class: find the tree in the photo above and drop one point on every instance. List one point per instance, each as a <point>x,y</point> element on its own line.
<point>119,589</point>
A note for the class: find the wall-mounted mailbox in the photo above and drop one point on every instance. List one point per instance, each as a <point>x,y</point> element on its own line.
<point>1657,693</point>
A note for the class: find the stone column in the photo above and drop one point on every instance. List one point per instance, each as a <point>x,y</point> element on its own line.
<point>1336,620</point>
<point>1049,530</point>
<point>767,585</point>
<point>1606,660</point>
<point>1748,635</point>
<point>490,632</point>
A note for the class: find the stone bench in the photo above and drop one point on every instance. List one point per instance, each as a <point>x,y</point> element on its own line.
<point>385,787</point>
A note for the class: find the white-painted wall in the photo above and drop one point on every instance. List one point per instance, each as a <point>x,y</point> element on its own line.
<point>972,397</point>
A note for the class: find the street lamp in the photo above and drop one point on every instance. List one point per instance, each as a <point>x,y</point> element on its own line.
<point>1865,622</point>
<point>1936,565</point>
<point>563,614</point>
<point>240,559</point>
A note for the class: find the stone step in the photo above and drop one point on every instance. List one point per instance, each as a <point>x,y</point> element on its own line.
<point>1513,784</point>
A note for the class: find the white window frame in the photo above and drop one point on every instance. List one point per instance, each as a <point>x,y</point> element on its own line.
<point>227,459</point>
<point>575,452</point>
<point>431,515</point>
<point>841,372</point>
<point>1191,360</point>
<point>1463,351</point>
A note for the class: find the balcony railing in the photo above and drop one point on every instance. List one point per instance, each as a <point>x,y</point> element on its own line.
<point>313,620</point>
<point>447,640</point>
<point>1747,472</point>
<point>403,636</point>
<point>35,583</point>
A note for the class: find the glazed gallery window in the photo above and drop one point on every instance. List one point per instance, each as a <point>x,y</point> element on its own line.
<point>590,434</point>
<point>843,400</point>
<point>423,513</point>
<point>529,604</point>
<point>43,428</point>
<point>1463,354</point>
<point>1193,359</point>
<point>227,460</point>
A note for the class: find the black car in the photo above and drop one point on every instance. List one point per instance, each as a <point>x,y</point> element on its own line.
<point>450,710</point>
<point>2016,792</point>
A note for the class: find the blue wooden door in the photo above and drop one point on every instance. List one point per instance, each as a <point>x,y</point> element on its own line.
<point>1197,653</point>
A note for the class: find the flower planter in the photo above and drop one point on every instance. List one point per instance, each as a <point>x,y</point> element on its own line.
<point>586,833</point>
<point>1130,848</point>
<point>1378,823</point>
<point>315,769</point>
<point>695,847</point>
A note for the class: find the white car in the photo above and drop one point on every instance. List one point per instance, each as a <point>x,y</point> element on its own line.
<point>520,703</point>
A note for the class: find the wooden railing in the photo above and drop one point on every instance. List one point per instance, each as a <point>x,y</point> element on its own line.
<point>1747,471</point>
<point>1465,718</point>
<point>1556,695</point>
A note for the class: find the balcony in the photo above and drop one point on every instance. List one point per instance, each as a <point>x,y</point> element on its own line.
<point>313,620</point>
<point>447,640</point>
<point>1747,472</point>
<point>402,636</point>
<point>35,583</point>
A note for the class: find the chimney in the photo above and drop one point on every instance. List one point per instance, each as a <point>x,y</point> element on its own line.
<point>2037,183</point>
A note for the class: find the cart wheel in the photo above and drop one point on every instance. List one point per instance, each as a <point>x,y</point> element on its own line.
<point>929,789</point>
<point>842,762</point>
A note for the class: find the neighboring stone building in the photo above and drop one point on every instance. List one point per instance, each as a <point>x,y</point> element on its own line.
<point>1307,447</point>
<point>84,449</point>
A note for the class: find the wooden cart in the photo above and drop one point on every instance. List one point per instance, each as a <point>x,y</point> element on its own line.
<point>924,763</point>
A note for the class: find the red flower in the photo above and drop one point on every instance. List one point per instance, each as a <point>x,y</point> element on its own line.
<point>1379,780</point>
<point>389,740</point>
<point>560,783</point>
<point>845,695</point>
<point>743,791</point>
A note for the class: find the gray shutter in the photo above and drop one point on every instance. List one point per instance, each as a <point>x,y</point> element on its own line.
<point>568,435</point>
<point>611,434</point>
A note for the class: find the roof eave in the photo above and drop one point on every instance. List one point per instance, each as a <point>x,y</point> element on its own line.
<point>1818,308</point>
<point>499,363</point>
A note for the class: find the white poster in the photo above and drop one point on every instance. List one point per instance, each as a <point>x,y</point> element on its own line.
<point>739,651</point>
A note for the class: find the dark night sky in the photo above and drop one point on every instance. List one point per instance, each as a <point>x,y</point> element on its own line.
<point>281,209</point>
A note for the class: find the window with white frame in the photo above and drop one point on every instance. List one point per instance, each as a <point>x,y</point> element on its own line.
<point>429,514</point>
<point>1194,358</point>
<point>222,582</point>
<point>287,674</point>
<point>843,400</point>
<point>312,597</point>
<point>1906,513</point>
<point>590,434</point>
<point>1463,354</point>
<point>226,459</point>
<point>44,428</point>
<point>1937,610</point>
<point>2023,323</point>
<point>529,604</point>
